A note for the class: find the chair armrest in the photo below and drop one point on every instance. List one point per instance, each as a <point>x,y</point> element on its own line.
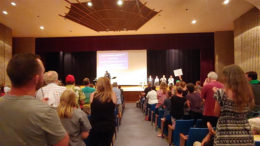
<point>183,139</point>
<point>170,130</point>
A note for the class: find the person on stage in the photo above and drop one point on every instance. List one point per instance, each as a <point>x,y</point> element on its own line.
<point>163,79</point>
<point>156,81</point>
<point>107,74</point>
<point>171,80</point>
<point>150,80</point>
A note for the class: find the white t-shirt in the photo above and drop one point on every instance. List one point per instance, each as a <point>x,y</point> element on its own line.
<point>51,91</point>
<point>171,81</point>
<point>152,97</point>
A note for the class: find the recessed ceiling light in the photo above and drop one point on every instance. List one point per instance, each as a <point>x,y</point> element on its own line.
<point>42,27</point>
<point>193,21</point>
<point>120,2</point>
<point>226,2</point>
<point>90,4</point>
<point>13,3</point>
<point>5,12</point>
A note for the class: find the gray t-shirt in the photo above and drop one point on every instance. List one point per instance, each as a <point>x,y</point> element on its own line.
<point>25,121</point>
<point>75,125</point>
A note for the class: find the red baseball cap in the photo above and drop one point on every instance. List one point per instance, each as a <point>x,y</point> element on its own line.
<point>70,79</point>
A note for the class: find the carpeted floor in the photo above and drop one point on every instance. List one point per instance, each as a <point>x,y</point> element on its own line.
<point>135,131</point>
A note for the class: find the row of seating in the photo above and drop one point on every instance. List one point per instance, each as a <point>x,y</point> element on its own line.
<point>183,133</point>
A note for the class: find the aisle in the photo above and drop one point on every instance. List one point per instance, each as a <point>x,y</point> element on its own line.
<point>135,131</point>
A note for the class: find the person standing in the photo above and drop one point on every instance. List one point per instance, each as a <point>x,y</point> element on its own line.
<point>87,90</point>
<point>70,84</point>
<point>156,81</point>
<point>232,104</point>
<point>150,80</point>
<point>26,121</point>
<point>171,80</point>
<point>118,99</point>
<point>209,102</point>
<point>102,118</point>
<point>107,74</point>
<point>51,92</point>
<point>163,79</point>
<point>255,84</point>
<point>74,120</point>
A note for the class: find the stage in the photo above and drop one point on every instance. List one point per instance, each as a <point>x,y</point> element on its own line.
<point>131,93</point>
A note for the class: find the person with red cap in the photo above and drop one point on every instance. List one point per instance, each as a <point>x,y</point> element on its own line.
<point>70,84</point>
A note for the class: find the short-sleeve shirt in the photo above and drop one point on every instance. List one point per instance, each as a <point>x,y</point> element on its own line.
<point>25,121</point>
<point>118,95</point>
<point>87,91</point>
<point>51,91</point>
<point>207,94</point>
<point>79,94</point>
<point>195,102</point>
<point>75,125</point>
<point>177,109</point>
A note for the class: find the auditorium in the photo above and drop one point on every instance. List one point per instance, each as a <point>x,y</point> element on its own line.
<point>129,72</point>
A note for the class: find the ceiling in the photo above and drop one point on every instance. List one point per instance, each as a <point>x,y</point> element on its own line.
<point>27,16</point>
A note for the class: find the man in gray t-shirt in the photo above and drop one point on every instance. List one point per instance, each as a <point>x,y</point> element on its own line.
<point>25,121</point>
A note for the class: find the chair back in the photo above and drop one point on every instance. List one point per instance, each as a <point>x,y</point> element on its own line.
<point>181,126</point>
<point>196,134</point>
<point>198,123</point>
<point>257,143</point>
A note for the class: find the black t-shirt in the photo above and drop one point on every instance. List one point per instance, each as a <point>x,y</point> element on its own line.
<point>177,109</point>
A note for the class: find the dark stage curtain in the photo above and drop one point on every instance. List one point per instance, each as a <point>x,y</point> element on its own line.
<point>163,62</point>
<point>79,64</point>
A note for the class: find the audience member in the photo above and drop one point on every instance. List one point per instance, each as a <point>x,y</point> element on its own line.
<point>252,78</point>
<point>25,120</point>
<point>198,87</point>
<point>87,90</point>
<point>152,99</point>
<point>122,97</point>
<point>73,119</point>
<point>209,102</point>
<point>70,84</point>
<point>232,104</point>
<point>177,107</point>
<point>51,92</point>
<point>195,102</point>
<point>102,118</point>
<point>2,93</point>
<point>118,99</point>
<point>162,94</point>
<point>147,89</point>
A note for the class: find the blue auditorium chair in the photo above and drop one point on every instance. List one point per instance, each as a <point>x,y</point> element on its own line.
<point>257,143</point>
<point>181,126</point>
<point>198,123</point>
<point>195,134</point>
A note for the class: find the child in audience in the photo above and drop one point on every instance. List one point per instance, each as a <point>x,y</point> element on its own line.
<point>233,104</point>
<point>73,119</point>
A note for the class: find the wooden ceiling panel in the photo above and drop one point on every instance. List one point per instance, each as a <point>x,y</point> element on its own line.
<point>106,15</point>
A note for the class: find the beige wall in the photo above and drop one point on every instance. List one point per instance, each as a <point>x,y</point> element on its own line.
<point>224,49</point>
<point>247,41</point>
<point>5,52</point>
<point>24,45</point>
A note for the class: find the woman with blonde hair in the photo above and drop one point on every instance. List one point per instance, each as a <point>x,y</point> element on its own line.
<point>73,119</point>
<point>102,119</point>
<point>233,104</point>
